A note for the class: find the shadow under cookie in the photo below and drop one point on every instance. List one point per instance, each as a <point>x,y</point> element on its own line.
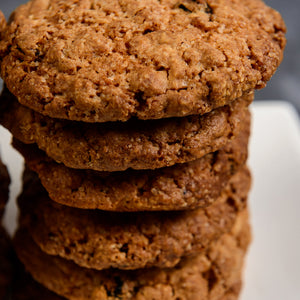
<point>24,287</point>
<point>6,263</point>
<point>4,187</point>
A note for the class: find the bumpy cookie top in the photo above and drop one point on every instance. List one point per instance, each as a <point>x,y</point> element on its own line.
<point>109,60</point>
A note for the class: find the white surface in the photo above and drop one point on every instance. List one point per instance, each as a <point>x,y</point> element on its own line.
<point>273,263</point>
<point>14,163</point>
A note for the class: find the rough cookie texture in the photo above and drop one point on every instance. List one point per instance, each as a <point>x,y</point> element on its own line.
<point>118,146</point>
<point>214,275</point>
<point>4,185</point>
<point>183,186</point>
<point>109,60</point>
<point>100,240</point>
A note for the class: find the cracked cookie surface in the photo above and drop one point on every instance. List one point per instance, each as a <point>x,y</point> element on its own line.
<point>183,186</point>
<point>101,240</point>
<point>215,274</point>
<point>109,60</point>
<point>134,144</point>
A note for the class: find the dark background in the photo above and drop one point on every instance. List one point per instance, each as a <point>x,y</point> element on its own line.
<point>285,84</point>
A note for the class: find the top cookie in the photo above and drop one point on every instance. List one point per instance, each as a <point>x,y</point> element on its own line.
<point>109,60</point>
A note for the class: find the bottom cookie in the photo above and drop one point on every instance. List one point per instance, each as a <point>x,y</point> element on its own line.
<point>214,275</point>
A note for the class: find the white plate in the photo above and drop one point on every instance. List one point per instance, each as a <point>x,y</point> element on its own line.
<point>273,263</point>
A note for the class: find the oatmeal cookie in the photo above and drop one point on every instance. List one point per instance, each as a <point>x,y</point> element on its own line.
<point>118,146</point>
<point>109,60</point>
<point>183,186</point>
<point>215,274</point>
<point>101,240</point>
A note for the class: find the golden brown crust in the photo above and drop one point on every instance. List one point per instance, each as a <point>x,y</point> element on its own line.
<point>118,146</point>
<point>183,186</point>
<point>212,275</point>
<point>110,60</point>
<point>101,240</point>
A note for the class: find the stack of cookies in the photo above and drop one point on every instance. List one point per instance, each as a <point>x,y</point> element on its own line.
<point>133,120</point>
<point>14,282</point>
